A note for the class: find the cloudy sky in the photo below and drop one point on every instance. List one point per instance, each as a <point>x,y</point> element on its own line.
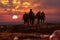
<point>50,7</point>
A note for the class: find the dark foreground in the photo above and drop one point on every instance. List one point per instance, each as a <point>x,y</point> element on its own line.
<point>24,31</point>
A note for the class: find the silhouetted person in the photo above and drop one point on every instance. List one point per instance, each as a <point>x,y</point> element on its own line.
<point>42,17</point>
<point>38,17</point>
<point>31,17</point>
<point>25,18</point>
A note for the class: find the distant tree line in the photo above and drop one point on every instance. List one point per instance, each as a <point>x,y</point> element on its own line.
<point>29,18</point>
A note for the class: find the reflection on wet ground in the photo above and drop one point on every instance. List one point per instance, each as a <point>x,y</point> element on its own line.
<point>23,36</point>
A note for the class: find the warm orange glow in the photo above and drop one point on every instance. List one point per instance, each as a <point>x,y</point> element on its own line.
<point>36,5</point>
<point>18,2</point>
<point>16,7</point>
<point>4,2</point>
<point>13,10</point>
<point>8,9</point>
<point>14,17</point>
<point>31,1</point>
<point>15,2</point>
<point>26,4</point>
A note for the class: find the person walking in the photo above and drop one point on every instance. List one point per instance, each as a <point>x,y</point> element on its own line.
<point>38,17</point>
<point>42,17</point>
<point>31,17</point>
<point>25,18</point>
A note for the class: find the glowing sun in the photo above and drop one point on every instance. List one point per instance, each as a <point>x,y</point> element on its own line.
<point>14,17</point>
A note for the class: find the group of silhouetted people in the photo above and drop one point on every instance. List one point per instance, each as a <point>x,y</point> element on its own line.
<point>29,18</point>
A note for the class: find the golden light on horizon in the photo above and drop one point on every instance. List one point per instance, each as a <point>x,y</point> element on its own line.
<point>14,17</point>
<point>26,4</point>
<point>4,2</point>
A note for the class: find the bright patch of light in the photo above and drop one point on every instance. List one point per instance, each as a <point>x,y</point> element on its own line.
<point>26,4</point>
<point>16,2</point>
<point>4,2</point>
<point>14,17</point>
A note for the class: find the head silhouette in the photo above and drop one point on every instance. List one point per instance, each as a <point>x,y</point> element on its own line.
<point>42,11</point>
<point>25,12</point>
<point>39,12</point>
<point>30,10</point>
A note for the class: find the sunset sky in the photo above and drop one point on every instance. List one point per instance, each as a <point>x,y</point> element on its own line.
<point>18,7</point>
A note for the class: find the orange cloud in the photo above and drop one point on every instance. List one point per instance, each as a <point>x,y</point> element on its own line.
<point>26,4</point>
<point>35,5</point>
<point>4,2</point>
<point>31,1</point>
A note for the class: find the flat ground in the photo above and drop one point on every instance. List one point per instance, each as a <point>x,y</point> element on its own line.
<point>28,30</point>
